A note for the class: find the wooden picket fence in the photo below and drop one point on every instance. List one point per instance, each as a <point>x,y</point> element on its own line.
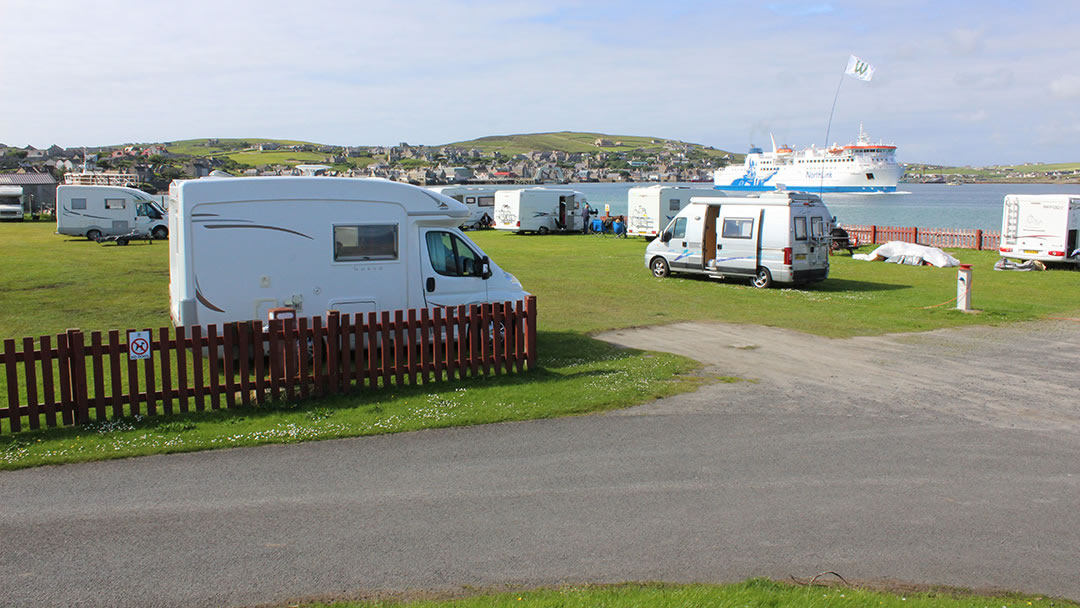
<point>932,237</point>
<point>70,380</point>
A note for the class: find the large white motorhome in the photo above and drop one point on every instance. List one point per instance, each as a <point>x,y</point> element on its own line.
<point>97,211</point>
<point>540,210</point>
<point>11,203</point>
<point>242,246</point>
<point>479,200</point>
<point>1041,227</point>
<point>650,208</point>
<point>782,237</point>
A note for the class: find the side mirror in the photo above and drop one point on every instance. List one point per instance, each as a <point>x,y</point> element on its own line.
<point>485,268</point>
<point>665,237</point>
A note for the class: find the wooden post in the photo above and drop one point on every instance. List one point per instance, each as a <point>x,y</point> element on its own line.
<point>30,373</point>
<point>12,386</point>
<point>373,350</point>
<point>63,342</point>
<point>333,341</point>
<point>386,342</point>
<point>228,332</point>
<point>78,377</point>
<point>873,234</point>
<point>978,240</point>
<point>47,379</point>
<point>530,335</point>
<point>212,343</point>
<point>166,372</point>
<point>115,375</point>
<point>410,346</point>
<point>197,367</point>
<point>134,409</point>
<point>303,338</point>
<point>399,348</point>
<point>244,354</point>
<point>915,235</point>
<point>183,388</point>
<point>97,360</point>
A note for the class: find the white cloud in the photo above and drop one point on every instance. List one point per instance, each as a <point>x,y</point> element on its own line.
<point>1066,87</point>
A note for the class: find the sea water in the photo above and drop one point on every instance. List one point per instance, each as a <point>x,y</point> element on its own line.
<point>920,205</point>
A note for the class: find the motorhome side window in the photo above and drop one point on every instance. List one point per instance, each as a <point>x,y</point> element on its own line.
<point>148,210</point>
<point>485,201</point>
<point>365,243</point>
<point>78,203</point>
<point>678,228</point>
<point>673,204</point>
<point>450,256</point>
<point>800,228</point>
<point>738,227</point>
<point>817,227</point>
<point>114,203</point>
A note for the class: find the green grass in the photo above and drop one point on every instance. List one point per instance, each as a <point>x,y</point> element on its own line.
<point>752,593</point>
<point>584,284</point>
<point>200,147</point>
<point>567,141</point>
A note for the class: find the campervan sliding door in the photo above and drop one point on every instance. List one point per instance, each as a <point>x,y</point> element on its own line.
<point>737,239</point>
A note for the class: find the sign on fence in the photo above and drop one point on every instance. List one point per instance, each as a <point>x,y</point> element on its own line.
<point>138,345</point>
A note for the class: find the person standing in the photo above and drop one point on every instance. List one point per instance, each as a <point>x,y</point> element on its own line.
<point>586,214</point>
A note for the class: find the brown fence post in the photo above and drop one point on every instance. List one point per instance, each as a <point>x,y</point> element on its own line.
<point>166,371</point>
<point>530,335</point>
<point>873,234</point>
<point>12,386</point>
<point>47,379</point>
<point>30,371</point>
<point>78,377</point>
<point>333,349</point>
<point>978,240</point>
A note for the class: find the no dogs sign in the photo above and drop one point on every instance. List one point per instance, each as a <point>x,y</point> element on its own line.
<point>138,344</point>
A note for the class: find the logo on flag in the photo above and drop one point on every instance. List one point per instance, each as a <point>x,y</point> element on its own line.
<point>859,69</point>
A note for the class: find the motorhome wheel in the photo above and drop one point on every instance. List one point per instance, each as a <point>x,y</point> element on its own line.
<point>161,232</point>
<point>93,235</point>
<point>121,242</point>
<point>543,230</point>
<point>660,268</point>
<point>762,279</point>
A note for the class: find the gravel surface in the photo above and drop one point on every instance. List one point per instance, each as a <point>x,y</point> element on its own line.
<point>942,458</point>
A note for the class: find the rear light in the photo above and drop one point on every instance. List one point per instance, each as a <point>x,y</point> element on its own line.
<point>1005,249</point>
<point>787,256</point>
<point>518,224</point>
<point>1058,253</point>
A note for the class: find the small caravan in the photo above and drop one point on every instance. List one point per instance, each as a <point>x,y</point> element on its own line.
<point>242,246</point>
<point>777,237</point>
<point>540,210</point>
<point>479,200</point>
<point>1041,227</point>
<point>11,203</point>
<point>97,211</point>
<point>650,208</point>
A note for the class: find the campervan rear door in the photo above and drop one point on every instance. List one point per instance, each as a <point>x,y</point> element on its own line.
<point>451,268</point>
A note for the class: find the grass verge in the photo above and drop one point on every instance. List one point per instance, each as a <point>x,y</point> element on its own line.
<point>754,592</point>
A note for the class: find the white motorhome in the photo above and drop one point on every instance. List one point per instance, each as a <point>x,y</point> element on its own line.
<point>242,246</point>
<point>11,203</point>
<point>540,210</point>
<point>650,208</point>
<point>776,237</point>
<point>97,211</point>
<point>1041,227</point>
<point>479,200</point>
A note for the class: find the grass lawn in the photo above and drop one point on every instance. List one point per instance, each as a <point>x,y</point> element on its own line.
<point>755,592</point>
<point>583,283</point>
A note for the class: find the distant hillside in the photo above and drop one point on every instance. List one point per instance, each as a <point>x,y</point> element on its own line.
<point>569,141</point>
<point>201,147</point>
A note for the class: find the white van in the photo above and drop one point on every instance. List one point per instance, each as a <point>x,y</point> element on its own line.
<point>97,211</point>
<point>540,210</point>
<point>776,237</point>
<point>241,246</point>
<point>479,200</point>
<point>650,208</point>
<point>1041,227</point>
<point>11,203</point>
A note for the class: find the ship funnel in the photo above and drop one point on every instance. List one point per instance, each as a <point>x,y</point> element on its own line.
<point>773,140</point>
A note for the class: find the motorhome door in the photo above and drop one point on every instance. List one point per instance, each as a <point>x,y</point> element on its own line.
<point>452,269</point>
<point>145,215</point>
<point>685,243</point>
<point>737,240</point>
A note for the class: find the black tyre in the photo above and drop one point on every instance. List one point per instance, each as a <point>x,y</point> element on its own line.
<point>660,268</point>
<point>543,230</point>
<point>93,235</point>
<point>161,232</point>
<point>121,242</point>
<point>762,279</point>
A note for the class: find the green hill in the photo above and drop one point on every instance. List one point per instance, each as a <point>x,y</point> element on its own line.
<point>569,141</point>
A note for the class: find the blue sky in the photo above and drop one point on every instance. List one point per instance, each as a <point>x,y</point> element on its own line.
<point>956,82</point>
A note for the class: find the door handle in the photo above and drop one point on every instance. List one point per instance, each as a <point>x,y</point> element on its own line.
<point>684,243</point>
<point>719,247</point>
<point>430,284</point>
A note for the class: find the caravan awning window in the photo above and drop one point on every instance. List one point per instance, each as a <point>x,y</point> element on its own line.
<point>365,243</point>
<point>114,203</point>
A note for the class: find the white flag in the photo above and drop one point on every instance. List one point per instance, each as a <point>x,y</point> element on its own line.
<point>859,69</point>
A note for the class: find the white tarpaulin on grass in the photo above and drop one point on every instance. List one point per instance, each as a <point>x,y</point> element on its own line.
<point>899,252</point>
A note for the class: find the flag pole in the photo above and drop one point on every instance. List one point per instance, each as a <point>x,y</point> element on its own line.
<point>828,129</point>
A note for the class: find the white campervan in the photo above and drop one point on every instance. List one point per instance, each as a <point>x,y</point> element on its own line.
<point>540,210</point>
<point>782,237</point>
<point>241,246</point>
<point>1041,227</point>
<point>479,200</point>
<point>97,211</point>
<point>650,208</point>
<point>11,203</point>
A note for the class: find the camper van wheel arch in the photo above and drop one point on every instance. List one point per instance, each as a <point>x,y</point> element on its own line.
<point>161,232</point>
<point>762,279</point>
<point>543,230</point>
<point>93,235</point>
<point>659,267</point>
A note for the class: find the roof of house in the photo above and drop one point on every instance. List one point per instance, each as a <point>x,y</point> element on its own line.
<point>26,179</point>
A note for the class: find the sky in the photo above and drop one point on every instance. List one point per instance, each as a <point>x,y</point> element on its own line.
<point>958,83</point>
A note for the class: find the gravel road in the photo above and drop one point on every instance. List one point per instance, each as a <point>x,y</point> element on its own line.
<point>948,457</point>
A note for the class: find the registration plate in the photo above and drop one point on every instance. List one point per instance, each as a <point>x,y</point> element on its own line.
<point>1030,251</point>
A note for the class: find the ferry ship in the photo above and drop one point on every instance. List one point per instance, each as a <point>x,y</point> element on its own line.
<point>859,167</point>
